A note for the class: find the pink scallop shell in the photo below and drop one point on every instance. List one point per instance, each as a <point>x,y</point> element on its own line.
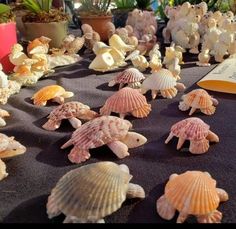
<point>129,75</point>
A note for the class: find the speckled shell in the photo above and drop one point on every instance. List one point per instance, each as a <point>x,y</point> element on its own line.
<point>160,80</point>
<point>193,192</point>
<point>47,93</point>
<point>72,109</point>
<point>129,75</point>
<point>124,101</point>
<point>198,98</point>
<point>190,129</point>
<point>100,131</point>
<point>90,192</point>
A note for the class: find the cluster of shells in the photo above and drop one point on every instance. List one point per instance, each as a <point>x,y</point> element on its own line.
<point>91,192</point>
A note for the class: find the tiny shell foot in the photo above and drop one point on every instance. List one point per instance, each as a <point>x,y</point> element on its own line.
<point>183,106</point>
<point>203,64</point>
<point>164,209</point>
<point>154,94</point>
<point>78,155</point>
<point>194,51</point>
<point>119,149</point>
<point>180,86</point>
<point>51,125</point>
<point>214,217</point>
<point>135,191</point>
<point>215,101</point>
<point>59,99</point>
<point>76,123</point>
<point>142,112</point>
<point>52,209</point>
<point>199,147</point>
<point>182,217</point>
<point>223,195</point>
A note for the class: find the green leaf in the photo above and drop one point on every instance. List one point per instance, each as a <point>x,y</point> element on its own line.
<point>4,8</point>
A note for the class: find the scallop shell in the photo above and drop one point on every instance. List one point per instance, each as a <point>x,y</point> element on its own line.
<point>47,93</point>
<point>129,75</point>
<point>199,99</point>
<point>90,192</point>
<point>125,101</point>
<point>160,80</point>
<point>191,129</point>
<point>193,192</point>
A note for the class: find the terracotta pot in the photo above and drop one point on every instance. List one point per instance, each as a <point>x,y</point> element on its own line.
<point>57,31</point>
<point>98,24</point>
<point>7,40</point>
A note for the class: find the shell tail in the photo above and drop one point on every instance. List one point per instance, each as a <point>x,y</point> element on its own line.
<point>119,149</point>
<point>67,144</point>
<point>208,111</point>
<point>164,208</point>
<point>142,112</point>
<point>51,125</point>
<point>212,137</point>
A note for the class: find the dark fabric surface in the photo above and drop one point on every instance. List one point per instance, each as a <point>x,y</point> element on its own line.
<point>23,194</point>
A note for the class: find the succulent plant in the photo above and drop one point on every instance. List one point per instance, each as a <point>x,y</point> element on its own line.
<point>6,14</point>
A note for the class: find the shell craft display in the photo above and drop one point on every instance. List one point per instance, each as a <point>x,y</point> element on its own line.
<point>73,111</point>
<point>192,193</point>
<point>55,93</point>
<point>92,192</point>
<point>127,101</point>
<point>198,99</point>
<point>106,130</point>
<point>194,130</point>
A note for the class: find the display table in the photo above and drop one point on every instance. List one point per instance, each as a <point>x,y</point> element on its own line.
<point>23,194</point>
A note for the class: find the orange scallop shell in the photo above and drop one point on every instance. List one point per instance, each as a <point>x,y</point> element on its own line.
<point>127,100</point>
<point>193,192</point>
<point>47,93</point>
<point>198,98</point>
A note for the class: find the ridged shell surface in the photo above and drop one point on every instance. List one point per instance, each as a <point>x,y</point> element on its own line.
<point>100,131</point>
<point>193,192</point>
<point>191,129</point>
<point>161,80</point>
<point>93,191</point>
<point>129,75</point>
<point>198,98</point>
<point>124,101</point>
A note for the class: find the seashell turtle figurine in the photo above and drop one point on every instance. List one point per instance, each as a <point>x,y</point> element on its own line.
<point>163,81</point>
<point>8,148</point>
<point>130,76</point>
<point>3,114</point>
<point>192,193</point>
<point>106,130</point>
<point>127,101</point>
<point>73,111</point>
<point>55,93</point>
<point>38,46</point>
<point>92,192</point>
<point>198,99</point>
<point>194,130</point>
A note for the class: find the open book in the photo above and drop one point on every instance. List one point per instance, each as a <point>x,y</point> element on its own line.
<point>222,78</point>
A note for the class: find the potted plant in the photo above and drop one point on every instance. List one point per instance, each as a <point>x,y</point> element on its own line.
<point>96,13</point>
<point>7,36</point>
<point>43,20</point>
<point>121,11</point>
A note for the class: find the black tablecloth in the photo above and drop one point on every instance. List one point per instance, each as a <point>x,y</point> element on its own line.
<point>23,194</point>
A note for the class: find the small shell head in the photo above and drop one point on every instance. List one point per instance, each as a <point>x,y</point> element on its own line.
<point>192,192</point>
<point>125,101</point>
<point>90,192</point>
